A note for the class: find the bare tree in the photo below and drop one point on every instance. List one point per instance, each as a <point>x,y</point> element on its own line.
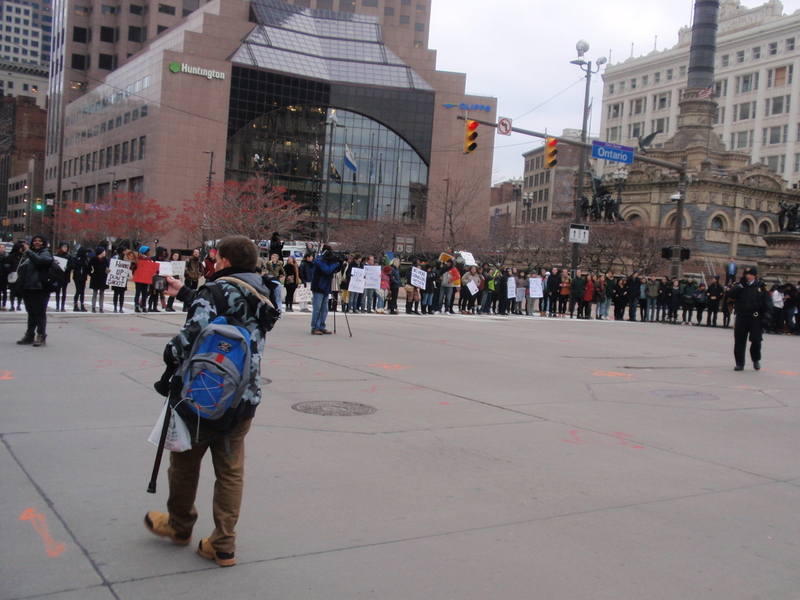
<point>457,213</point>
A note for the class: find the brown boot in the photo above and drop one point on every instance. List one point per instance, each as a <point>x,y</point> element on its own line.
<point>26,339</point>
<point>40,340</point>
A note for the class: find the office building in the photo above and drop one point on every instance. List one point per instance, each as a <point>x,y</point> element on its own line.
<point>756,88</point>
<point>295,85</point>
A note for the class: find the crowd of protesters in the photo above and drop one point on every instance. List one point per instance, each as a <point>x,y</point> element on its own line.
<point>449,289</point>
<point>609,296</point>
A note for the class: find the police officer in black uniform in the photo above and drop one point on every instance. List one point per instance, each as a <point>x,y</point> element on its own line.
<point>753,309</point>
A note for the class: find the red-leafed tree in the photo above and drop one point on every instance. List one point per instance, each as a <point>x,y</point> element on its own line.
<point>129,216</point>
<point>132,216</point>
<point>251,208</point>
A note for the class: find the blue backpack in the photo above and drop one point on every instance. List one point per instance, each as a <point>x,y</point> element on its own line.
<point>215,375</point>
<point>217,371</point>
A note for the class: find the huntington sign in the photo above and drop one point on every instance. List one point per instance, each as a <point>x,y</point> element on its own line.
<point>177,67</point>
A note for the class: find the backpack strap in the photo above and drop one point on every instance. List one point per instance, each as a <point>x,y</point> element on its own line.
<point>264,318</point>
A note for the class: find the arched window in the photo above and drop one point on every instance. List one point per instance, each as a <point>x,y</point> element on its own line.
<point>717,223</point>
<point>635,220</point>
<point>746,226</point>
<point>764,228</point>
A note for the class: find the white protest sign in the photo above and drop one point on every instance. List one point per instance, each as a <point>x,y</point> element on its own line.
<point>372,277</point>
<point>418,278</point>
<point>469,260</point>
<point>535,285</point>
<point>472,287</point>
<point>357,280</point>
<point>164,268</point>
<point>61,261</point>
<point>178,268</point>
<point>303,294</point>
<point>118,272</point>
<point>512,288</point>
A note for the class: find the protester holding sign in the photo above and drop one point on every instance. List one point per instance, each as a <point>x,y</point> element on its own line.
<point>119,271</point>
<point>178,268</point>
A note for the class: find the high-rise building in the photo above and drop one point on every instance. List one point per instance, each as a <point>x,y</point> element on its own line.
<point>756,88</point>
<point>26,32</point>
<point>239,79</point>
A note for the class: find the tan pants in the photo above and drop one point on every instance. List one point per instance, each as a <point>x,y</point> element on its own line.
<point>227,455</point>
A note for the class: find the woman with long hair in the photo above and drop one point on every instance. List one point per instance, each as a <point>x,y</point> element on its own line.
<point>290,281</point>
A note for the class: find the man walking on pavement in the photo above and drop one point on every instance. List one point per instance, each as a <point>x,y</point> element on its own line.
<point>247,302</point>
<point>753,309</point>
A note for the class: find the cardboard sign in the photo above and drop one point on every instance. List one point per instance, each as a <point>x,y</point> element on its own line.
<point>118,272</point>
<point>512,288</point>
<point>178,268</point>
<point>535,286</point>
<point>145,269</point>
<point>303,293</point>
<point>419,278</point>
<point>444,257</point>
<point>469,260</point>
<point>372,279</point>
<point>357,280</point>
<point>472,287</point>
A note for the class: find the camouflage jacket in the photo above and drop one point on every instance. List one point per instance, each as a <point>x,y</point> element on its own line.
<point>202,311</point>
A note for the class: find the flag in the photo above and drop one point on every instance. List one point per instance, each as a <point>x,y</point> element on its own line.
<point>706,93</point>
<point>349,159</point>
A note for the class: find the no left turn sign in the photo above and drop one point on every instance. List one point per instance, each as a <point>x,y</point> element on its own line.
<point>504,126</point>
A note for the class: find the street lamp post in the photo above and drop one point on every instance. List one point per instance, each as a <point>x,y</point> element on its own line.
<point>333,121</point>
<point>446,208</point>
<point>527,202</point>
<point>620,178</point>
<point>208,195</point>
<point>586,66</point>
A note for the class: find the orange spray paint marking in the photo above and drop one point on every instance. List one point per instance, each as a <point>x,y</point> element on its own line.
<point>389,367</point>
<point>5,375</point>
<point>39,523</point>
<point>612,374</point>
<point>617,434</point>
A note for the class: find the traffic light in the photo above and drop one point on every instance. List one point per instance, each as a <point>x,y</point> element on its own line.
<point>39,205</point>
<point>550,152</point>
<point>78,209</point>
<point>666,253</point>
<point>470,136</point>
<point>686,254</point>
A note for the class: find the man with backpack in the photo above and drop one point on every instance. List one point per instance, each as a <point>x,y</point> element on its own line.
<point>236,292</point>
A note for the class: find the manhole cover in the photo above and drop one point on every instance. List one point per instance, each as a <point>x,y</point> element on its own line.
<point>685,395</point>
<point>164,335</point>
<point>334,409</point>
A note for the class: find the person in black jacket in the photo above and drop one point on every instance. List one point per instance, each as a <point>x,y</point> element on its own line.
<point>753,310</point>
<point>34,265</point>
<point>715,292</point>
<point>61,293</point>
<point>553,288</point>
<point>634,291</point>
<point>98,266</point>
<point>79,276</point>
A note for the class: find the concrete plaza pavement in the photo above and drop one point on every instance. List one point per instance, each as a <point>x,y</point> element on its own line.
<point>507,458</point>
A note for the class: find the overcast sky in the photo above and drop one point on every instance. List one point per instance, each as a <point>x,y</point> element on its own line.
<point>521,55</point>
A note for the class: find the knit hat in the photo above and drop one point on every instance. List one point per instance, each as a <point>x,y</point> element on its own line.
<point>99,250</point>
<point>41,237</point>
<point>144,249</point>
<point>751,271</point>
